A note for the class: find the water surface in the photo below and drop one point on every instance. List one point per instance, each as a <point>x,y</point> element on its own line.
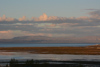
<point>44,45</point>
<point>63,57</point>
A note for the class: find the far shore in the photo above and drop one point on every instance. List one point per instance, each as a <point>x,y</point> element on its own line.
<point>89,50</point>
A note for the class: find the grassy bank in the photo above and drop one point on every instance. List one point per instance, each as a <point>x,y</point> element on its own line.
<point>55,50</point>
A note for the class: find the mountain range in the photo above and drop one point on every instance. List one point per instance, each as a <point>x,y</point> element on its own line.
<point>45,39</point>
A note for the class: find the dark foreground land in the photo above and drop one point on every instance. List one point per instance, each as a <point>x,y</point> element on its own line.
<point>88,50</point>
<point>51,63</point>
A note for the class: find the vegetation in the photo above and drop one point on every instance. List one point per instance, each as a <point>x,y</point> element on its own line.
<point>55,50</point>
<point>30,62</point>
<point>51,63</point>
<point>13,61</point>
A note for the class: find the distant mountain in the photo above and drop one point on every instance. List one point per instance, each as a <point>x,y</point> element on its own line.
<point>45,39</point>
<point>32,37</point>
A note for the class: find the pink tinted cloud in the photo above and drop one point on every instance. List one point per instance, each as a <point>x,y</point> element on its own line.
<point>22,19</point>
<point>44,17</point>
<point>6,34</point>
<point>4,18</point>
<point>11,33</point>
<point>3,32</point>
<point>93,16</point>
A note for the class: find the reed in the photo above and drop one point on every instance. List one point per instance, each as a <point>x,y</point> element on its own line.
<point>54,50</point>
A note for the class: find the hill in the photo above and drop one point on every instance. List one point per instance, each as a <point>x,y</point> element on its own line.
<point>45,39</point>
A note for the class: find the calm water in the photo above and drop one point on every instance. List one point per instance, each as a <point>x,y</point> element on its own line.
<point>25,55</point>
<point>43,45</point>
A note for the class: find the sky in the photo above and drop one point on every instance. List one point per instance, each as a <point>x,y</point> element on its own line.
<point>52,18</point>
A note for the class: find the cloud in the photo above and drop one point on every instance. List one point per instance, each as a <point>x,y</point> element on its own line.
<point>4,18</point>
<point>51,26</point>
<point>95,14</point>
<point>22,19</point>
<point>3,32</point>
<point>44,17</point>
<point>16,33</point>
<point>84,20</point>
<point>6,34</point>
<point>91,9</point>
<point>54,19</point>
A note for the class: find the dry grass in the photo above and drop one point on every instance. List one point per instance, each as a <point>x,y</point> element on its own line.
<point>55,50</point>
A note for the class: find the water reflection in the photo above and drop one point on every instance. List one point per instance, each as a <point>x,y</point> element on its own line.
<point>25,55</point>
